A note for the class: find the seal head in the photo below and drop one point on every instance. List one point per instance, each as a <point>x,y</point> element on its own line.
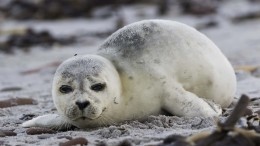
<point>84,86</point>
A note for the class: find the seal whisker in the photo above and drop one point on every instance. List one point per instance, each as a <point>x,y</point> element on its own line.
<point>108,120</point>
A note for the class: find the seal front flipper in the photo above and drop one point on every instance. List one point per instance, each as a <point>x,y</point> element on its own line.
<point>188,104</point>
<point>53,121</point>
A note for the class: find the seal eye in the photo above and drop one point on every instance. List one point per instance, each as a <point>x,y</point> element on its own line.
<point>66,89</point>
<point>98,87</point>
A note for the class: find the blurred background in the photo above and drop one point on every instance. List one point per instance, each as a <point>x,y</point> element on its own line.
<point>36,35</point>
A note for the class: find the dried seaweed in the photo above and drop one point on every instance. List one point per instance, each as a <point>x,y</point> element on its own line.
<point>199,7</point>
<point>31,38</point>
<point>225,134</point>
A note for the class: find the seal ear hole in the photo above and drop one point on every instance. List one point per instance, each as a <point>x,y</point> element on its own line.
<point>65,89</point>
<point>98,87</point>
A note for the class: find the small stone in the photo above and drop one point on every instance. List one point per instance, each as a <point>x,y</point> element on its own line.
<point>257,112</point>
<point>4,133</point>
<point>9,89</point>
<point>199,7</point>
<point>172,138</point>
<point>102,143</point>
<point>16,101</point>
<point>45,136</point>
<point>125,143</point>
<point>27,117</point>
<point>66,137</point>
<point>75,141</point>
<point>37,130</point>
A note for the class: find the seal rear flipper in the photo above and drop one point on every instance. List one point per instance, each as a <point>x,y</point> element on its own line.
<point>53,121</point>
<point>180,102</point>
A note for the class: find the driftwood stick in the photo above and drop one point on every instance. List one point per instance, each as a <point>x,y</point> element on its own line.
<point>229,124</point>
<point>238,111</point>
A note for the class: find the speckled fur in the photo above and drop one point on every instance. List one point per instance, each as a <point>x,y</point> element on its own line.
<point>131,41</point>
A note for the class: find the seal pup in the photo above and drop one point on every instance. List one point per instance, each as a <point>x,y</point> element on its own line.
<point>140,70</point>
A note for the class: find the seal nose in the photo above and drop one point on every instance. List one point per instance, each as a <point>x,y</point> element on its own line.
<point>82,104</point>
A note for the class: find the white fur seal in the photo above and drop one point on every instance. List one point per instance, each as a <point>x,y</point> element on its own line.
<point>140,70</point>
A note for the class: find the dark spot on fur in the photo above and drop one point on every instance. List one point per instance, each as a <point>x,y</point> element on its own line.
<point>115,102</point>
<point>97,101</point>
<point>95,75</point>
<point>66,74</point>
<point>140,62</point>
<point>209,82</point>
<point>70,81</point>
<point>130,78</point>
<point>90,79</point>
<point>130,42</point>
<point>80,68</point>
<point>81,85</point>
<point>157,61</point>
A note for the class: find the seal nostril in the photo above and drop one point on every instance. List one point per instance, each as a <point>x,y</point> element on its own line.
<point>82,105</point>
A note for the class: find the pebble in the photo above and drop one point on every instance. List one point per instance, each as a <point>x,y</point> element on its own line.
<point>102,143</point>
<point>257,112</point>
<point>199,7</point>
<point>66,137</point>
<point>27,117</point>
<point>76,141</point>
<point>172,138</point>
<point>45,136</point>
<point>37,130</point>
<point>8,89</point>
<point>125,143</point>
<point>16,101</point>
<point>4,133</point>
<point>246,16</point>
